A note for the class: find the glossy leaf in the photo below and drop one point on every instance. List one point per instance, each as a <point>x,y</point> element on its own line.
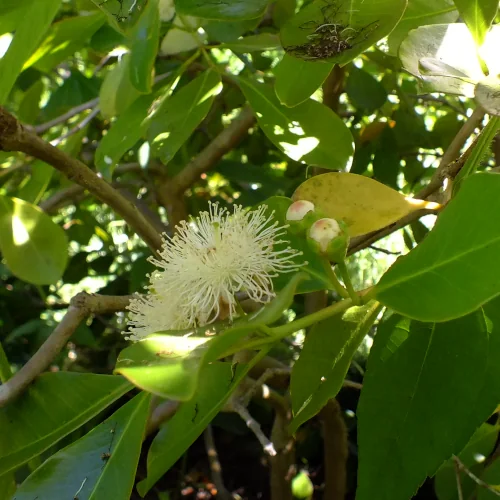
<point>363,204</point>
<point>63,39</point>
<point>319,373</point>
<point>262,41</point>
<point>408,396</point>
<point>292,90</point>
<point>310,132</point>
<point>62,402</point>
<point>34,247</point>
<point>145,37</point>
<point>33,190</point>
<point>455,269</point>
<point>173,125</point>
<point>99,465</point>
<point>421,13</point>
<point>358,24</point>
<point>478,15</point>
<point>29,31</point>
<point>230,11</point>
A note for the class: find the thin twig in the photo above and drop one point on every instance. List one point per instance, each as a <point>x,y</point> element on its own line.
<point>476,479</point>
<point>81,306</point>
<point>215,467</point>
<point>460,493</point>
<point>79,126</point>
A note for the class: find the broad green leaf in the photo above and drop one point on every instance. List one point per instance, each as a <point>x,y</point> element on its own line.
<point>478,15</point>
<point>365,91</point>
<point>338,32</point>
<point>491,476</point>
<point>61,402</point>
<point>29,31</point>
<point>34,247</point>
<point>362,203</point>
<point>310,132</point>
<point>176,121</point>
<point>262,41</point>
<point>33,190</point>
<point>8,485</point>
<point>117,92</point>
<point>225,31</point>
<point>292,90</point>
<point>122,14</point>
<point>217,382</point>
<point>421,13</point>
<point>479,446</point>
<point>455,269</point>
<point>100,465</point>
<point>29,107</point>
<point>235,10</point>
<point>63,39</point>
<point>487,94</point>
<point>145,37</point>
<point>319,373</point>
<point>8,6</point>
<point>422,402</point>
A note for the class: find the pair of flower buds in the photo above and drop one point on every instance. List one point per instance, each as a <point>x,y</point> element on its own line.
<point>326,236</point>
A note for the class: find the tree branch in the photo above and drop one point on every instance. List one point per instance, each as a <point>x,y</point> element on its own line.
<point>81,306</point>
<point>13,137</point>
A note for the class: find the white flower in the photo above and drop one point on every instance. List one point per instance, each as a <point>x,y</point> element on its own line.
<point>205,263</point>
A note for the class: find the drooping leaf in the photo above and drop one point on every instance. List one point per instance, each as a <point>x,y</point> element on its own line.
<point>30,29</point>
<point>176,121</point>
<point>61,402</point>
<point>34,247</point>
<point>478,15</point>
<point>310,132</point>
<point>455,269</point>
<point>410,391</point>
<point>292,90</point>
<point>363,204</point>
<point>319,373</point>
<point>99,465</point>
<point>338,32</point>
<point>235,10</point>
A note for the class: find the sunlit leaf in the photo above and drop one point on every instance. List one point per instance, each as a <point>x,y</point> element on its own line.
<point>478,15</point>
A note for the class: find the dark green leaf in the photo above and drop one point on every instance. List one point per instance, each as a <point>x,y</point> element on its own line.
<point>456,268</point>
<point>100,465</point>
<point>29,106</point>
<point>229,11</point>
<point>364,91</point>
<point>61,402</point>
<point>478,15</point>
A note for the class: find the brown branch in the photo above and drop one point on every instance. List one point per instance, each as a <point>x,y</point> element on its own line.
<point>215,467</point>
<point>282,463</point>
<point>81,306</point>
<point>161,413</point>
<point>13,137</point>
<point>79,126</point>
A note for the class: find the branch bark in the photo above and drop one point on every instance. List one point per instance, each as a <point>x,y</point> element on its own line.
<point>81,306</point>
<point>14,137</point>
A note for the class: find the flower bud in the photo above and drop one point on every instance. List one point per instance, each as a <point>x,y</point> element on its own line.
<point>298,210</point>
<point>329,237</point>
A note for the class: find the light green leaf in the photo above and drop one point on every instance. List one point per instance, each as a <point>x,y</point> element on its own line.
<point>292,90</point>
<point>100,465</point>
<point>34,247</point>
<point>29,107</point>
<point>478,15</point>
<point>319,373</point>
<point>235,10</point>
<point>144,47</point>
<point>122,14</point>
<point>8,6</point>
<point>61,402</point>
<point>29,31</point>
<point>33,190</point>
<point>310,132</point>
<point>455,269</point>
<point>487,94</point>
<point>262,41</point>
<point>422,401</point>
<point>176,121</point>
<point>338,32</point>
<point>421,13</point>
<point>63,39</point>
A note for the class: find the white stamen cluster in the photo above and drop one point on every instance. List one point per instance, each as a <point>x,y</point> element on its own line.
<point>205,263</point>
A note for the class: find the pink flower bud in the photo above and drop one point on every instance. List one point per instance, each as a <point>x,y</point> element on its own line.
<point>323,231</point>
<point>298,210</point>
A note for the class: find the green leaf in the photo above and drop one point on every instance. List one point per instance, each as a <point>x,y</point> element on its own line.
<point>455,269</point>
<point>364,91</point>
<point>29,107</point>
<point>319,373</point>
<point>122,14</point>
<point>421,13</point>
<point>61,402</point>
<point>145,37</point>
<point>33,190</point>
<point>217,382</point>
<point>339,32</point>
<point>292,90</point>
<point>29,31</point>
<point>262,41</point>
<point>63,39</point>
<point>173,125</point>
<point>478,15</point>
<point>310,132</point>
<point>487,94</point>
<point>422,399</point>
<point>34,247</point>
<point>100,465</point>
<point>235,10</point>
<point>8,6</point>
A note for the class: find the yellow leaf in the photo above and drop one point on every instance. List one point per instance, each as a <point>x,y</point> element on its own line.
<point>364,204</point>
